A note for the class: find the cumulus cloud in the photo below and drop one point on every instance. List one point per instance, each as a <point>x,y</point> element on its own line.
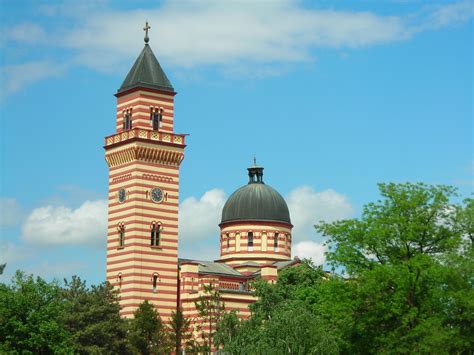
<point>227,35</point>
<point>311,250</point>
<point>60,225</point>
<point>10,211</point>
<point>199,218</point>
<point>11,252</point>
<point>308,207</point>
<point>15,77</point>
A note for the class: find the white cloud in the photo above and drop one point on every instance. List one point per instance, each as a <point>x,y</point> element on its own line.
<point>10,211</point>
<point>312,250</point>
<point>308,207</point>
<point>60,225</point>
<point>234,36</point>
<point>15,77</point>
<point>199,218</point>
<point>11,252</point>
<point>446,15</point>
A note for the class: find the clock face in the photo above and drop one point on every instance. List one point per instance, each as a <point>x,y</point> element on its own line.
<point>122,195</point>
<point>157,194</point>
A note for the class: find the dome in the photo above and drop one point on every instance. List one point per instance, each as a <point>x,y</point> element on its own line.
<point>256,201</point>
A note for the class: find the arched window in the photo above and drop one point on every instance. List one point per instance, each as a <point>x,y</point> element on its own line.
<point>156,118</point>
<point>119,280</point>
<point>275,241</point>
<point>127,119</point>
<point>250,239</point>
<point>155,234</point>
<point>121,235</point>
<point>228,240</point>
<point>155,282</point>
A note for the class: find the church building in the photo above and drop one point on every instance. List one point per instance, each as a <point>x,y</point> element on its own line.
<point>144,157</point>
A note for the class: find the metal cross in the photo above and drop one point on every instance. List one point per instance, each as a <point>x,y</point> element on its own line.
<point>146,28</point>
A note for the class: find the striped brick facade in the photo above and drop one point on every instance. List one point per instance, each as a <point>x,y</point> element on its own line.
<point>141,159</point>
<point>271,243</point>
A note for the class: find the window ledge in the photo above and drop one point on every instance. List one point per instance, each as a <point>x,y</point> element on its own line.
<point>155,247</point>
<point>123,247</point>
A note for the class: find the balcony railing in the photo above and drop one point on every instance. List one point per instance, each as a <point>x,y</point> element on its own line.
<point>145,134</point>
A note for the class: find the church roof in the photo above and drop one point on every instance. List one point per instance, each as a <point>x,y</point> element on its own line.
<point>255,201</point>
<point>210,267</point>
<point>146,72</point>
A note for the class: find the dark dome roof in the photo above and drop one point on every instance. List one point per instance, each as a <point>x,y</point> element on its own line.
<point>256,202</point>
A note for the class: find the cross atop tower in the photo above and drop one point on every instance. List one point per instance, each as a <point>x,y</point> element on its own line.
<point>146,28</point>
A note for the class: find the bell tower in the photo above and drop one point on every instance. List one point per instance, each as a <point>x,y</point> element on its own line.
<point>144,156</point>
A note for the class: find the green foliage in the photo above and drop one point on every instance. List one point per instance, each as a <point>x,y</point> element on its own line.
<point>30,317</point>
<point>283,320</point>
<point>180,332</point>
<point>93,318</point>
<point>410,260</point>
<point>147,334</point>
<point>210,310</point>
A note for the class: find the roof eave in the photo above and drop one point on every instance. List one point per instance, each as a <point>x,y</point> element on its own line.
<point>144,86</point>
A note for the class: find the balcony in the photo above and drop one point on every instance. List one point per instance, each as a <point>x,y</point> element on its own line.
<point>139,133</point>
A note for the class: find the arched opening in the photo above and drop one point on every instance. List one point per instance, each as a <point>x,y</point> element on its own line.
<point>155,282</point>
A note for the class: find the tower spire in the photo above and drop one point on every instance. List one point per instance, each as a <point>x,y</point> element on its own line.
<point>146,28</point>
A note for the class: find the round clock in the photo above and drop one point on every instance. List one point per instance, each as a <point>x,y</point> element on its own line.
<point>157,194</point>
<point>122,195</point>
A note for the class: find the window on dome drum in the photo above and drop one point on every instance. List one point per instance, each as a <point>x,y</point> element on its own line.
<point>228,242</point>
<point>121,236</point>
<point>156,118</point>
<point>155,235</point>
<point>250,239</point>
<point>275,241</point>
<point>155,282</point>
<point>127,120</point>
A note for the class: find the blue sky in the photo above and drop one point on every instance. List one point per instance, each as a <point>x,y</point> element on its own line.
<point>331,96</point>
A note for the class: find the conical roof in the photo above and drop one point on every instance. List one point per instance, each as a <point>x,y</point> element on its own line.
<point>146,72</point>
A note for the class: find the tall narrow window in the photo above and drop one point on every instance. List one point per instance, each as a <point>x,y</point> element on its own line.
<point>120,280</point>
<point>156,118</point>
<point>275,241</point>
<point>121,236</point>
<point>127,120</point>
<point>228,242</point>
<point>155,282</point>
<point>155,235</point>
<point>250,239</point>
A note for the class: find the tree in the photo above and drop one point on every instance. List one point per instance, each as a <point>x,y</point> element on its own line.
<point>147,334</point>
<point>210,309</point>
<point>283,320</point>
<point>179,331</point>
<point>408,269</point>
<point>30,317</point>
<point>93,318</point>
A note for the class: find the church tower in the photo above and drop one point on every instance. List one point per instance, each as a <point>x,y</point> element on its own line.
<point>144,156</point>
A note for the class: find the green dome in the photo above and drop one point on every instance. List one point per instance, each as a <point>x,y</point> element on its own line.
<point>256,202</point>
